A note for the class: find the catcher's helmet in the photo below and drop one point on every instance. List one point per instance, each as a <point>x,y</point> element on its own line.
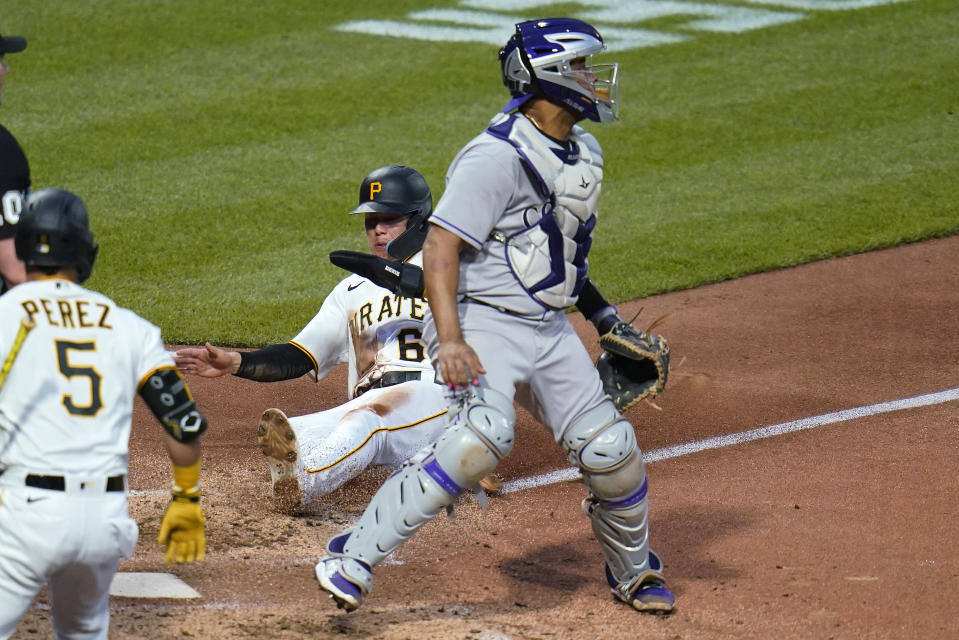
<point>536,61</point>
<point>54,232</point>
<point>401,190</point>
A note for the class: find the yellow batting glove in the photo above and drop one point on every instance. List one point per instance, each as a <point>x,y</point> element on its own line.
<point>182,528</point>
<point>182,531</point>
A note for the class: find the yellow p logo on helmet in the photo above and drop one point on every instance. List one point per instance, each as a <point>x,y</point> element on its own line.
<point>375,187</point>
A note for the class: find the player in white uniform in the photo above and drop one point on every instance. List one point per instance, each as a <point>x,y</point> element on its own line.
<point>66,406</point>
<point>395,407</point>
<point>505,256</point>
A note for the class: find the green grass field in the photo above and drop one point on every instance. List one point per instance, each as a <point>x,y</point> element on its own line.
<point>219,144</point>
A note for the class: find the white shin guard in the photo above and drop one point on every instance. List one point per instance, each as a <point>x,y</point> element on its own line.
<point>480,435</point>
<point>603,445</point>
<point>622,530</point>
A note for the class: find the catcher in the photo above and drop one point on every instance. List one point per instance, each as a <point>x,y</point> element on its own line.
<point>505,256</point>
<point>634,364</point>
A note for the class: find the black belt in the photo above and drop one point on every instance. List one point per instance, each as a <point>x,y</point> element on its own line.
<point>490,305</point>
<point>509,312</point>
<point>390,378</point>
<point>59,483</point>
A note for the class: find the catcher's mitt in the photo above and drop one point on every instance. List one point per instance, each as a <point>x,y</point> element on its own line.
<point>634,364</point>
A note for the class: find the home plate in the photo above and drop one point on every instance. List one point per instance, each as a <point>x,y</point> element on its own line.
<point>150,585</point>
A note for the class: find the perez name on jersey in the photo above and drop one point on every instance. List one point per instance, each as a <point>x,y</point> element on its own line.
<point>72,313</point>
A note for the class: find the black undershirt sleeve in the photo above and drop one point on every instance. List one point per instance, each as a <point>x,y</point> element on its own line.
<point>274,363</point>
<point>597,310</point>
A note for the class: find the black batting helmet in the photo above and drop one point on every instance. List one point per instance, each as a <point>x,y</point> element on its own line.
<point>54,232</point>
<point>399,189</point>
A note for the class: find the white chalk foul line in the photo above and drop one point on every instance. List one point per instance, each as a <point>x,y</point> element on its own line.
<point>160,585</point>
<point>716,442</point>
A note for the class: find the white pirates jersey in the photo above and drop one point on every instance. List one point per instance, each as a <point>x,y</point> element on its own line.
<point>376,331</point>
<point>67,404</point>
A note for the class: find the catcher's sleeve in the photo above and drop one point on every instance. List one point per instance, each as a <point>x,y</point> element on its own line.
<point>596,309</point>
<point>399,277</point>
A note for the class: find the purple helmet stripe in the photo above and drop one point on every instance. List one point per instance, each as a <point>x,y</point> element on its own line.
<point>537,61</point>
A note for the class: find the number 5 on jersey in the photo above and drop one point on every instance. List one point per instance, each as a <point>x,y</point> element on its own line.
<point>69,371</point>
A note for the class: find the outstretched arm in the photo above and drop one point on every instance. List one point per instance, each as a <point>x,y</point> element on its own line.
<point>269,364</point>
<point>207,361</point>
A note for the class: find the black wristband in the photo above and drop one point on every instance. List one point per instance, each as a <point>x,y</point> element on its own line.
<point>597,310</point>
<point>605,319</point>
<point>274,363</point>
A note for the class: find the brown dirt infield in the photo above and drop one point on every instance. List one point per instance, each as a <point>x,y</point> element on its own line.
<point>842,531</point>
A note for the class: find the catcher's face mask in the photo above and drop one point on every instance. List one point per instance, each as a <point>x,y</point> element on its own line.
<point>553,57</point>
